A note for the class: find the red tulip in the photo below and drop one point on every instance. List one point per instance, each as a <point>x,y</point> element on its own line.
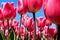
<point>13,11</point>
<point>21,6</point>
<point>48,22</point>
<point>52,32</point>
<point>30,28</point>
<point>52,10</point>
<point>8,9</point>
<point>1,15</point>
<point>22,32</point>
<point>26,21</point>
<point>15,23</point>
<point>41,22</point>
<point>34,5</point>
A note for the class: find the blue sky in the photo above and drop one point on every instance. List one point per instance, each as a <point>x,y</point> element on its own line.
<point>38,14</point>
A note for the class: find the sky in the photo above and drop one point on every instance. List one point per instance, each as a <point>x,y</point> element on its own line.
<point>38,14</point>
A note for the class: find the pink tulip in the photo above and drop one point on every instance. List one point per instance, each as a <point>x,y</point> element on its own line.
<point>8,9</point>
<point>34,5</point>
<point>1,15</point>
<point>15,23</point>
<point>21,6</point>
<point>51,32</point>
<point>52,10</point>
<point>41,22</point>
<point>22,32</point>
<point>30,28</point>
<point>26,21</point>
<point>48,22</point>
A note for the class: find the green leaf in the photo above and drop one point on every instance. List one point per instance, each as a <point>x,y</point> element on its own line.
<point>12,36</point>
<point>2,36</point>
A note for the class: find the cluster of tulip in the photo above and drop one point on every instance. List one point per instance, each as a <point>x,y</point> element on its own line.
<point>10,29</point>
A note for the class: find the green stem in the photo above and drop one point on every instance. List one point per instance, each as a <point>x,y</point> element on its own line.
<point>20,19</point>
<point>34,26</point>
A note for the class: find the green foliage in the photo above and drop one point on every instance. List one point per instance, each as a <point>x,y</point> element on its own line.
<point>2,36</point>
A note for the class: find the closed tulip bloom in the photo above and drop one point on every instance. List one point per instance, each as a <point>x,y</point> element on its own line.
<point>40,22</point>
<point>52,10</point>
<point>48,22</point>
<point>8,9</point>
<point>22,32</point>
<point>26,21</point>
<point>1,15</point>
<point>31,28</point>
<point>15,23</point>
<point>34,5</point>
<point>21,7</point>
<point>52,32</point>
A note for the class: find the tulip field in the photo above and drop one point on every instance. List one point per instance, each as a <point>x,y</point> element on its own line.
<point>29,28</point>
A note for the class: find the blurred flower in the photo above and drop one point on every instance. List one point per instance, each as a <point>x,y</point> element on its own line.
<point>34,5</point>
<point>21,7</point>
<point>8,10</point>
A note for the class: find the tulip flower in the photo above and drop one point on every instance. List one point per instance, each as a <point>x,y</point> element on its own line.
<point>15,23</point>
<point>22,8</point>
<point>52,12</point>
<point>40,23</point>
<point>50,33</point>
<point>22,32</point>
<point>1,15</point>
<point>31,28</point>
<point>26,20</point>
<point>48,23</point>
<point>34,6</point>
<point>8,9</point>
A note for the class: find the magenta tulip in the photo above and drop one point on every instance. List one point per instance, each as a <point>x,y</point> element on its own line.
<point>21,6</point>
<point>40,22</point>
<point>8,9</point>
<point>1,15</point>
<point>52,10</point>
<point>15,23</point>
<point>26,20</point>
<point>34,5</point>
<point>22,32</point>
<point>48,22</point>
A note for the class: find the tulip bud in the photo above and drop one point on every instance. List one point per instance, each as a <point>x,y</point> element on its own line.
<point>48,23</point>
